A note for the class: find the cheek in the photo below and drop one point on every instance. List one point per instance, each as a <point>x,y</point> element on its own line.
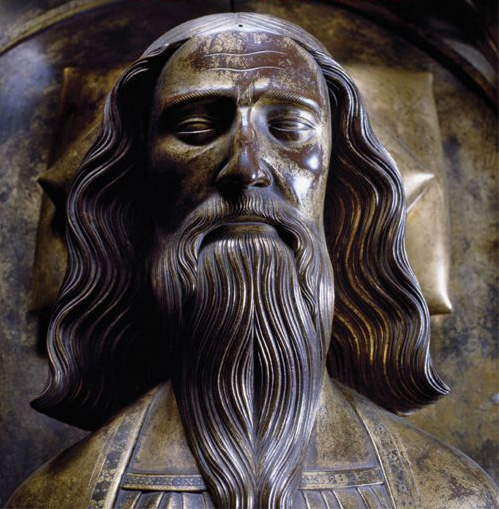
<point>313,160</point>
<point>181,178</point>
<point>300,174</point>
<point>185,165</point>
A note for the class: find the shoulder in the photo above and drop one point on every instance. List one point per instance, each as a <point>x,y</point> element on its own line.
<point>443,477</point>
<point>62,482</point>
<point>68,480</point>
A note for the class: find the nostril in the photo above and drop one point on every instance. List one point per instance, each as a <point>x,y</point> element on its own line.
<point>230,188</point>
<point>262,180</point>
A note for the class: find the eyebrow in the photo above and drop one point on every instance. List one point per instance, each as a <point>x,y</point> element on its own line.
<point>282,95</point>
<point>293,97</point>
<point>173,100</point>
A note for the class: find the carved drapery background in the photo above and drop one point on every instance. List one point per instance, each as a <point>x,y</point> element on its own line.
<point>112,34</point>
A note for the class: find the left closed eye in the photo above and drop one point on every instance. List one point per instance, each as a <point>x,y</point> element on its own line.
<point>290,129</point>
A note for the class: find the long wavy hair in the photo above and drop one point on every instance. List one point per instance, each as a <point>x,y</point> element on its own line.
<point>103,342</point>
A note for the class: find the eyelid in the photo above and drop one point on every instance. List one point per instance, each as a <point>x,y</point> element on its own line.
<point>292,112</point>
<point>186,122</point>
<point>212,109</point>
<point>291,124</point>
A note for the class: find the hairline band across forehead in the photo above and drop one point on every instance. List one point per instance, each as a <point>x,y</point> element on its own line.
<point>236,22</point>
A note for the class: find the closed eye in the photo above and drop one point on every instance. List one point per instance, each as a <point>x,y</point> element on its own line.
<point>291,125</point>
<point>194,125</point>
<point>199,121</point>
<point>290,129</point>
<point>197,130</point>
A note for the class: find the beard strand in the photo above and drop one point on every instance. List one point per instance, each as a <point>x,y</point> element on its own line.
<point>250,358</point>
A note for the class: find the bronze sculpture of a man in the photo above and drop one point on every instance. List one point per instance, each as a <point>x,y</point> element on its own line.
<point>234,196</point>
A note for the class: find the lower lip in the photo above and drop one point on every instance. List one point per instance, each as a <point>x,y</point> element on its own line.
<point>241,228</point>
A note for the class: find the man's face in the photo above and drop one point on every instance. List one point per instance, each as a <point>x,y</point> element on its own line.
<point>238,156</point>
<point>236,113</point>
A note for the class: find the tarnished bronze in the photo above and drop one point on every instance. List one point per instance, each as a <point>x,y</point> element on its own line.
<point>199,271</point>
<point>401,108</point>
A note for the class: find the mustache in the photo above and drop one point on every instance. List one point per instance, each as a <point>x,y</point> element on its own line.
<point>291,225</point>
<point>249,207</point>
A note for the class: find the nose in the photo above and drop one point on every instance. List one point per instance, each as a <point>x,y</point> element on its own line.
<point>244,168</point>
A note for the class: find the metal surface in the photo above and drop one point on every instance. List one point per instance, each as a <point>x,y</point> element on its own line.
<point>219,209</point>
<point>463,342</point>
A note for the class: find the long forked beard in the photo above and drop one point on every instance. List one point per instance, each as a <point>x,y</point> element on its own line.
<point>251,353</point>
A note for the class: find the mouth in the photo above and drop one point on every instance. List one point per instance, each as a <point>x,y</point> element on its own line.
<point>241,225</point>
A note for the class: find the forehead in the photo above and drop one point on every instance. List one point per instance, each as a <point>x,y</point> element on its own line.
<point>242,63</point>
